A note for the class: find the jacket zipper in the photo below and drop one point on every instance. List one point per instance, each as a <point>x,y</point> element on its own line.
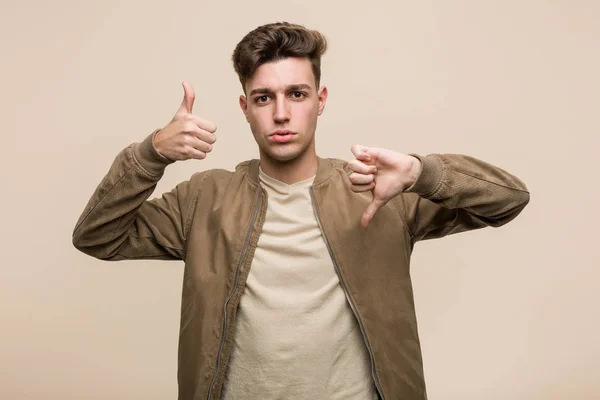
<point>233,289</point>
<point>342,284</point>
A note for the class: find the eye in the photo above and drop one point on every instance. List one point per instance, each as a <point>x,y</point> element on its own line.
<point>298,95</point>
<point>261,99</point>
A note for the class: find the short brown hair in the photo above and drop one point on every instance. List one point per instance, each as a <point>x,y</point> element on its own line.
<point>276,41</point>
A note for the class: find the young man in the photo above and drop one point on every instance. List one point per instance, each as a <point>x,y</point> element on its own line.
<point>297,281</point>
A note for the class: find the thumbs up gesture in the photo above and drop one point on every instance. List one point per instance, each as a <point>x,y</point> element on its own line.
<point>384,172</point>
<point>186,136</point>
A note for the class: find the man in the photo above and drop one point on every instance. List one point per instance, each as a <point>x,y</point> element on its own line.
<point>297,281</point>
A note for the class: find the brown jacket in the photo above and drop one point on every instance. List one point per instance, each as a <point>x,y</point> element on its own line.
<point>212,222</point>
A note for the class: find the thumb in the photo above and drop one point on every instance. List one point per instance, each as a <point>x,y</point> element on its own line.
<point>188,98</point>
<point>370,211</point>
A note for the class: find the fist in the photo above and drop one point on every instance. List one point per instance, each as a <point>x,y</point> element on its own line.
<point>186,136</point>
<point>383,172</point>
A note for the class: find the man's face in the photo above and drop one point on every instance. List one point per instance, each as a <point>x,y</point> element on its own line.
<point>282,107</point>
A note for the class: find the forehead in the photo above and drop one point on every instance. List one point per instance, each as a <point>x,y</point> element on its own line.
<point>277,75</point>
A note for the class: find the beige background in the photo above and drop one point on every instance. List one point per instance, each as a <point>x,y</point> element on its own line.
<point>510,313</point>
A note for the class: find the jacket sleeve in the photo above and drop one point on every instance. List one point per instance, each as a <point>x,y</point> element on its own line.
<point>119,222</point>
<point>457,193</point>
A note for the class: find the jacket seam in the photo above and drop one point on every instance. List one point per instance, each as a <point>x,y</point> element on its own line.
<point>153,239</point>
<point>493,183</point>
<point>350,291</point>
<point>120,220</point>
<point>127,171</point>
<point>140,166</point>
<point>327,179</point>
<point>402,215</point>
<point>158,257</point>
<point>442,178</point>
<point>156,240</point>
<point>188,223</point>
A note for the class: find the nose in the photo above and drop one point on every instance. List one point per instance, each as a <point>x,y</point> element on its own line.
<point>281,113</point>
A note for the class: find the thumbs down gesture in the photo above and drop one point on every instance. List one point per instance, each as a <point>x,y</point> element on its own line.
<point>383,172</point>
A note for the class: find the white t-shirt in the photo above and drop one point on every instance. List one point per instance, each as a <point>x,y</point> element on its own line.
<point>296,336</point>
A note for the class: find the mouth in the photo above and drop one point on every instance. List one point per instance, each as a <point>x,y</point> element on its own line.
<point>282,136</point>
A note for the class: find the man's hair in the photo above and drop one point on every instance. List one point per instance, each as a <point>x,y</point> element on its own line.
<point>274,42</point>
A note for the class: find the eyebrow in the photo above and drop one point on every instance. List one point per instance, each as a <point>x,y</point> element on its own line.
<point>289,88</point>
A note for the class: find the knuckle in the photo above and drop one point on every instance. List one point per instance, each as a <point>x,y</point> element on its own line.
<point>189,127</point>
<point>185,152</point>
<point>186,140</point>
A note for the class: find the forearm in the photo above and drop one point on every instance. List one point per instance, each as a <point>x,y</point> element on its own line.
<point>112,214</point>
<point>458,181</point>
<point>456,193</point>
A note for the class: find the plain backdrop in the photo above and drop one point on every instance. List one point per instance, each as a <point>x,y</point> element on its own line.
<point>508,313</point>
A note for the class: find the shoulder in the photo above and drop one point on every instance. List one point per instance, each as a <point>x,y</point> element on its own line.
<point>219,176</point>
<point>339,165</point>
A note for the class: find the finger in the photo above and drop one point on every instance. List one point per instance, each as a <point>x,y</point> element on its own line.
<point>194,131</point>
<point>360,152</point>
<point>363,188</point>
<point>361,167</point>
<point>369,212</point>
<point>188,151</point>
<point>198,144</point>
<point>202,123</point>
<point>361,179</point>
<point>197,154</point>
<point>205,136</point>
<point>188,98</point>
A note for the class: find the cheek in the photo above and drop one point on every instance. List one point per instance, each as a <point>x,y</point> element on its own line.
<point>256,120</point>
<point>307,112</point>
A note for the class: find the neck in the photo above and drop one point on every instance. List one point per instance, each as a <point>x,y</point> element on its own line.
<point>300,168</point>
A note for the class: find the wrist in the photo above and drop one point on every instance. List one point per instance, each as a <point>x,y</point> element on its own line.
<point>147,156</point>
<point>156,149</point>
<point>415,170</point>
<point>430,176</point>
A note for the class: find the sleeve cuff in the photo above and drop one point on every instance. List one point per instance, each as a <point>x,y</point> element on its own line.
<point>149,158</point>
<point>430,178</point>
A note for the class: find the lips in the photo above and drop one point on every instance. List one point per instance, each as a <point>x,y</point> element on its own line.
<point>282,136</point>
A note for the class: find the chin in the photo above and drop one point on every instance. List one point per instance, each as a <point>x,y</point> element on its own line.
<point>284,158</point>
<point>284,155</point>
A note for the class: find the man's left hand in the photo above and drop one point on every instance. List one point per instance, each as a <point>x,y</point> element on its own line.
<point>384,172</point>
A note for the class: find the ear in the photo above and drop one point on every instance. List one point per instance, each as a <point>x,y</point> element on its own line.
<point>322,98</point>
<point>244,105</point>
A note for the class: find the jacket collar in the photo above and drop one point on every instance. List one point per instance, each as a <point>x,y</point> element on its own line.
<point>325,169</point>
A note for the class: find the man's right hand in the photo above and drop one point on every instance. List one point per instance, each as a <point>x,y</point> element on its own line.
<point>186,136</point>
